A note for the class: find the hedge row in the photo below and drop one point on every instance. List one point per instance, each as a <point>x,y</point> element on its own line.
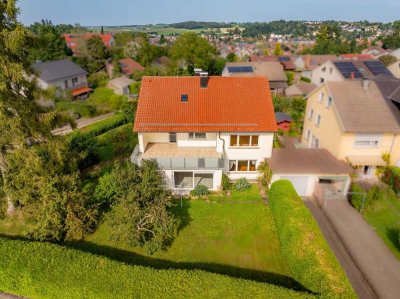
<point>105,125</point>
<point>43,270</point>
<point>307,254</point>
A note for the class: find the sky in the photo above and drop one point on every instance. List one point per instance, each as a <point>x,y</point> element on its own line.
<point>139,12</point>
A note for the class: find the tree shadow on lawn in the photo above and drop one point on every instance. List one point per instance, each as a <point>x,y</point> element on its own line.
<point>133,258</point>
<point>393,235</point>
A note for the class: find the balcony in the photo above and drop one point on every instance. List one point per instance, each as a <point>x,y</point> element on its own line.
<point>171,157</point>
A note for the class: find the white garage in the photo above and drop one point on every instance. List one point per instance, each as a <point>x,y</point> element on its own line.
<point>300,183</point>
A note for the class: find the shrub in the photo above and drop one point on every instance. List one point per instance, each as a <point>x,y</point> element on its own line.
<point>307,254</point>
<point>44,270</point>
<point>356,199</point>
<point>265,174</point>
<point>105,125</point>
<point>305,79</point>
<point>98,79</point>
<point>225,182</point>
<point>242,184</point>
<point>105,100</point>
<point>391,176</point>
<point>200,190</point>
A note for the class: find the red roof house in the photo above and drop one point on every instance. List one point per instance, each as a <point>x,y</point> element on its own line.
<point>75,40</point>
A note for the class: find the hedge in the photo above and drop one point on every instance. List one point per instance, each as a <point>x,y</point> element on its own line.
<point>43,270</point>
<point>105,125</point>
<point>307,254</point>
<point>391,176</point>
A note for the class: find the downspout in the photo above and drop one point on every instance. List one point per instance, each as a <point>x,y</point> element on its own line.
<point>223,144</point>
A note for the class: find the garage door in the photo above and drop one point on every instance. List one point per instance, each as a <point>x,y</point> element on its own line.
<point>299,182</point>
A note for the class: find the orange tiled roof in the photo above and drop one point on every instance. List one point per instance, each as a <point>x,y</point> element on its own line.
<point>228,104</point>
<point>129,66</point>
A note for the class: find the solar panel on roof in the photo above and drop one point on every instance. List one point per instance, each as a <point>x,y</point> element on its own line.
<point>377,68</point>
<point>347,68</point>
<point>283,58</point>
<point>240,69</point>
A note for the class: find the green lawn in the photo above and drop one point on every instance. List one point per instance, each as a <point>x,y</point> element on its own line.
<point>236,237</point>
<point>384,217</point>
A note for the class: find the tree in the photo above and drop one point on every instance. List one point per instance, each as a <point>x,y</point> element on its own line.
<point>265,175</point>
<point>387,59</point>
<point>278,49</point>
<point>162,39</point>
<point>97,54</point>
<point>191,50</point>
<point>392,41</point>
<point>140,204</point>
<point>232,57</point>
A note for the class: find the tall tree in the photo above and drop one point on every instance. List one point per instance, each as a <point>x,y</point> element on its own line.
<point>393,41</point>
<point>97,54</point>
<point>191,50</point>
<point>278,49</point>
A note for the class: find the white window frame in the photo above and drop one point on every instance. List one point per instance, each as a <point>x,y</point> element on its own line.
<point>194,136</point>
<point>245,146</point>
<point>329,102</point>
<point>237,165</point>
<point>308,134</point>
<point>310,114</point>
<point>315,142</point>
<point>321,97</point>
<point>367,140</point>
<point>318,120</point>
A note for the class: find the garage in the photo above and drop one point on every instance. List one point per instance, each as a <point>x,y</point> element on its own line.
<point>300,183</point>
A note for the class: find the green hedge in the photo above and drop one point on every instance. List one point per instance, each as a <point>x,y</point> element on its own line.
<point>43,270</point>
<point>391,176</point>
<point>308,256</point>
<point>105,125</point>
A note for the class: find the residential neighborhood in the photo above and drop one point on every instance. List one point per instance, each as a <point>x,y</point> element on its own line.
<point>199,159</point>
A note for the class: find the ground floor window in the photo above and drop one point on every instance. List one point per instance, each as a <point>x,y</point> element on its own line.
<point>242,165</point>
<point>189,179</point>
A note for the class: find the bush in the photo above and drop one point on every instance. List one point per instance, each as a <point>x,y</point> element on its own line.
<point>391,176</point>
<point>200,190</point>
<point>373,195</point>
<point>44,270</point>
<point>105,100</point>
<point>305,79</point>
<point>242,184</point>
<point>105,125</point>
<point>99,79</point>
<point>225,182</point>
<point>356,199</point>
<point>308,256</point>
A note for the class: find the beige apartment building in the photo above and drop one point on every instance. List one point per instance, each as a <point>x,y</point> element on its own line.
<point>353,121</point>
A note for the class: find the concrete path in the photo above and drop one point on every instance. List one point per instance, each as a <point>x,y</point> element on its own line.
<point>369,253</point>
<point>80,123</point>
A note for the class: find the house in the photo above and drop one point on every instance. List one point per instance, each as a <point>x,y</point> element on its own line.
<point>355,123</point>
<point>128,67</point>
<point>300,89</point>
<point>390,89</point>
<point>283,121</point>
<point>64,75</point>
<point>355,56</point>
<point>120,85</point>
<point>394,68</point>
<point>342,70</point>
<point>286,60</point>
<point>396,53</point>
<point>375,51</point>
<point>307,63</point>
<point>199,127</point>
<point>75,41</point>
<point>271,70</point>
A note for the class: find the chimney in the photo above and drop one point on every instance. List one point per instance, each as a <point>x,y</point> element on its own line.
<point>365,83</point>
<point>352,76</point>
<point>204,79</point>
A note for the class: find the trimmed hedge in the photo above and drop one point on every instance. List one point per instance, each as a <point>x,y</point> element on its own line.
<point>104,125</point>
<point>43,270</point>
<point>307,254</point>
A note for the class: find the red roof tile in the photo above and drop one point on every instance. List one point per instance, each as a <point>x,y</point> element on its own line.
<point>357,56</point>
<point>227,104</point>
<point>74,40</point>
<point>129,66</point>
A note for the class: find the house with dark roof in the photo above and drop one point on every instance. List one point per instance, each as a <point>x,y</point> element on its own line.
<point>355,122</point>
<point>272,70</point>
<point>199,127</point>
<point>347,69</point>
<point>64,75</point>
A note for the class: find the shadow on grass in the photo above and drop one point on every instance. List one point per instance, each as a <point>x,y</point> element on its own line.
<point>393,235</point>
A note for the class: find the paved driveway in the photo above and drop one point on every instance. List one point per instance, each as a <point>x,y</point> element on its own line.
<point>374,260</point>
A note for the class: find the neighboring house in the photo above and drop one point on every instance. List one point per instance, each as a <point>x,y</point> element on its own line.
<point>299,89</point>
<point>375,51</point>
<point>355,56</point>
<point>76,41</point>
<point>64,75</point>
<point>394,68</point>
<point>199,127</point>
<point>354,121</point>
<point>307,63</point>
<point>120,85</point>
<point>283,121</point>
<point>128,67</point>
<point>342,70</point>
<point>286,60</point>
<point>390,89</point>
<point>273,71</point>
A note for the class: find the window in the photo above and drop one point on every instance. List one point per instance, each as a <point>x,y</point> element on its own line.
<point>244,140</point>
<point>184,98</point>
<point>324,69</point>
<point>330,70</point>
<point>74,81</point>
<point>242,165</point>
<point>329,102</point>
<point>321,97</point>
<point>367,141</point>
<point>318,120</point>
<point>308,134</point>
<point>172,137</point>
<point>66,83</point>
<point>202,162</point>
<point>197,135</point>
<point>310,114</point>
<point>315,142</point>
<point>321,80</point>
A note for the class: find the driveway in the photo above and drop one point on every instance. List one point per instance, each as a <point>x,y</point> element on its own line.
<point>371,267</point>
<point>81,123</point>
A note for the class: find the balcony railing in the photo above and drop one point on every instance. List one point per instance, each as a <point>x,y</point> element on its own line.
<point>182,163</point>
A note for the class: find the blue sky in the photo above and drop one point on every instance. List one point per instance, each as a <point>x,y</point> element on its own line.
<point>127,12</point>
